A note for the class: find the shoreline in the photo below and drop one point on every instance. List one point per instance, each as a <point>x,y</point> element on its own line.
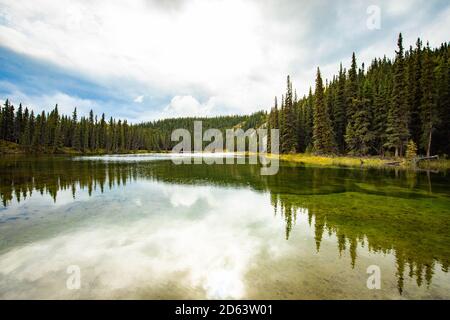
<point>373,162</point>
<point>9,148</point>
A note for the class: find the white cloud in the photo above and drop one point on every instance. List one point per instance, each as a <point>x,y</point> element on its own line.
<point>211,252</point>
<point>188,106</point>
<point>238,52</point>
<point>47,102</point>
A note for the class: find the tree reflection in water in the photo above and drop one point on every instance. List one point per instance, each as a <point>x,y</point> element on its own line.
<point>387,211</point>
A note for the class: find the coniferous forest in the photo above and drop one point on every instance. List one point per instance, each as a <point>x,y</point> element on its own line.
<point>51,132</point>
<point>378,110</point>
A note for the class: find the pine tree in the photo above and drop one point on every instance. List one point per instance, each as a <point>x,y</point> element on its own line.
<point>58,139</point>
<point>36,139</point>
<point>381,103</point>
<point>76,135</point>
<point>18,122</point>
<point>397,128</point>
<point>352,87</point>
<point>25,138</point>
<point>43,133</point>
<point>309,120</point>
<point>288,137</point>
<point>84,134</point>
<point>322,131</point>
<point>363,135</point>
<point>272,123</point>
<point>340,116</point>
<point>102,135</point>
<point>428,104</point>
<point>91,130</point>
<point>300,126</point>
<point>351,138</point>
<point>7,121</point>
<point>414,91</point>
<point>441,140</point>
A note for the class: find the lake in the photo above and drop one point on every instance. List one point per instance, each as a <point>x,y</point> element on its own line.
<point>142,227</point>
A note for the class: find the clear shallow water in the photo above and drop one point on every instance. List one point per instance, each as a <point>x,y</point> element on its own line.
<point>152,229</point>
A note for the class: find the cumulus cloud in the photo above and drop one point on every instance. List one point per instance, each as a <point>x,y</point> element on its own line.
<point>238,52</point>
<point>194,251</point>
<point>188,106</point>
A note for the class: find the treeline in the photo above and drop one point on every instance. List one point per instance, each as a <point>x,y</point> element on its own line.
<point>392,106</point>
<point>379,111</point>
<point>53,131</point>
<point>50,132</point>
<point>165,127</point>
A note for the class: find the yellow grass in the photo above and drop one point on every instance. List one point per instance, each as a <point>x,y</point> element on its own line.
<point>7,147</point>
<point>367,162</point>
<point>332,160</point>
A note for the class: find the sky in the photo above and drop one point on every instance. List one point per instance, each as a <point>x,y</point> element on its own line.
<point>147,59</point>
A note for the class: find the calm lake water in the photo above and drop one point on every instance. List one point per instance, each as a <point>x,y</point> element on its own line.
<point>142,227</point>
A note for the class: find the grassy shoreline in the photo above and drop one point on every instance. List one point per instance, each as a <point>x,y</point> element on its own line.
<point>10,148</point>
<point>360,162</point>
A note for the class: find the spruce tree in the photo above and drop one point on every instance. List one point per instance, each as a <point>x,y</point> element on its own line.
<point>363,135</point>
<point>18,123</point>
<point>76,136</point>
<point>309,120</point>
<point>380,106</point>
<point>25,137</point>
<point>429,113</point>
<point>414,91</point>
<point>272,123</point>
<point>397,127</point>
<point>340,121</point>
<point>322,130</point>
<point>91,130</point>
<point>288,138</point>
<point>441,140</point>
<point>351,139</point>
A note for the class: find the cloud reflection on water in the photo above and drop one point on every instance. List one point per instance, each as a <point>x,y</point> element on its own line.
<point>212,253</point>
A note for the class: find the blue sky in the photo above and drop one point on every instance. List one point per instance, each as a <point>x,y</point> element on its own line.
<point>149,59</point>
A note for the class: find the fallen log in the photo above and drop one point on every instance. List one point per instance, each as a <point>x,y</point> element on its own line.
<point>393,163</point>
<point>426,158</point>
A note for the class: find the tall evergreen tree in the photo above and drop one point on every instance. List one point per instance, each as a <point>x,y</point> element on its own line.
<point>340,116</point>
<point>76,135</point>
<point>322,131</point>
<point>414,91</point>
<point>397,128</point>
<point>363,135</point>
<point>309,120</point>
<point>428,104</point>
<point>352,89</point>
<point>288,138</point>
<point>441,137</point>
<point>18,123</point>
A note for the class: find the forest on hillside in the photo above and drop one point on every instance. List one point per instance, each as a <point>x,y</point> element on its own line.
<point>379,111</point>
<point>52,131</point>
